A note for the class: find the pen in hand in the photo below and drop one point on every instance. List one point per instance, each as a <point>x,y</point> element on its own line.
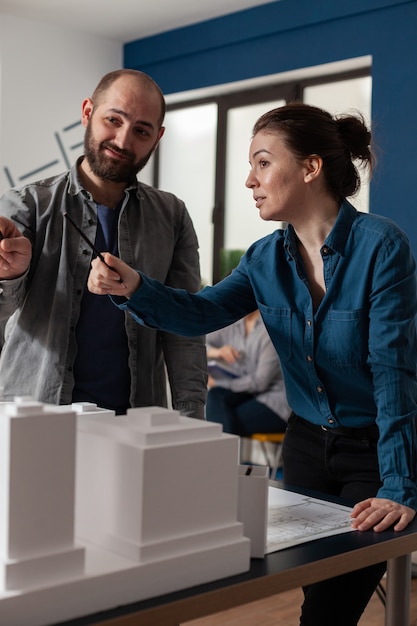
<point>90,243</point>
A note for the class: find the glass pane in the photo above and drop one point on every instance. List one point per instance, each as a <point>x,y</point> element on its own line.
<point>243,225</point>
<point>146,175</point>
<point>187,159</point>
<point>342,97</point>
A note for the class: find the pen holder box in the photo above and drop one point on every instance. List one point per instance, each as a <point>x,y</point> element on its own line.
<point>253,506</point>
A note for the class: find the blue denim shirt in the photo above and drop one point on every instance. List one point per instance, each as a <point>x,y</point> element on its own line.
<point>155,232</point>
<point>352,362</point>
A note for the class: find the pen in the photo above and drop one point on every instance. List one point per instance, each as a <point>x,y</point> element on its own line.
<point>90,243</point>
<point>248,471</point>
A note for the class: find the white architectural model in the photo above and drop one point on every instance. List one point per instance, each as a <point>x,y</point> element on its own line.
<point>152,497</point>
<point>37,494</point>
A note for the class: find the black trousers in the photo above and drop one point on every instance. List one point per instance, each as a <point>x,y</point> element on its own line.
<point>344,464</point>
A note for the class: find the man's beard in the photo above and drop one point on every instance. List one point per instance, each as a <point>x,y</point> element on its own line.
<point>105,167</point>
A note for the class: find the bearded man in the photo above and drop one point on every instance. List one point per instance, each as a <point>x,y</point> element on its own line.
<point>62,343</point>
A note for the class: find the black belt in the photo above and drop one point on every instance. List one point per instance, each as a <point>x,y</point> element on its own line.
<point>368,432</point>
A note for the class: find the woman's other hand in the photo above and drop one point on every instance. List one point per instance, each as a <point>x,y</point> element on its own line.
<point>380,514</point>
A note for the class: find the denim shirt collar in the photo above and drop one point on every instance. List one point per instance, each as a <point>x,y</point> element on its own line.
<point>336,239</point>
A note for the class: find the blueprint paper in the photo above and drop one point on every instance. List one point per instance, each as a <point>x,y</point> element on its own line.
<point>295,518</point>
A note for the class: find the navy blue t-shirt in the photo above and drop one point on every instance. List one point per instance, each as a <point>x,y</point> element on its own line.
<point>101,369</point>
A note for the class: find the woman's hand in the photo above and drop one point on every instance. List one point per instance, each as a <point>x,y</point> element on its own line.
<point>380,514</point>
<point>15,251</point>
<point>116,278</point>
<point>227,353</point>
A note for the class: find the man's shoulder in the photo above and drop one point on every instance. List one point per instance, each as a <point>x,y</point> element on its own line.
<point>41,188</point>
<point>50,181</point>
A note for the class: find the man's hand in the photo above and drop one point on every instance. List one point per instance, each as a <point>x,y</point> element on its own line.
<point>380,514</point>
<point>105,279</point>
<point>15,251</point>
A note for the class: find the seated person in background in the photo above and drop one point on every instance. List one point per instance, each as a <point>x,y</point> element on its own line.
<point>246,389</point>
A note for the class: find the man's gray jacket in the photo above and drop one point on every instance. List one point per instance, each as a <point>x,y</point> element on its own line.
<point>156,235</point>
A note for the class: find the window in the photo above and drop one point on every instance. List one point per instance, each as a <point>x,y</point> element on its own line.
<point>203,156</point>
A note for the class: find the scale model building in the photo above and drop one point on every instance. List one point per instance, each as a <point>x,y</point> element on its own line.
<point>98,511</point>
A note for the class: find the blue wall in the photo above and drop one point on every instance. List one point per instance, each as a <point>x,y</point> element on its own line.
<point>293,34</point>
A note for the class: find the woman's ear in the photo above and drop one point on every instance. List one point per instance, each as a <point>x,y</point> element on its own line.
<point>314,166</point>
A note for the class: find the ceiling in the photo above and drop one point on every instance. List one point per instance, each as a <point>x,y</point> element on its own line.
<point>124,20</point>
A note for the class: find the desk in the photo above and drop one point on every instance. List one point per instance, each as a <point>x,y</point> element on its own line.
<point>278,572</point>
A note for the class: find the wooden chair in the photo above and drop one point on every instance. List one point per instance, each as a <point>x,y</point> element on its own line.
<point>276,438</point>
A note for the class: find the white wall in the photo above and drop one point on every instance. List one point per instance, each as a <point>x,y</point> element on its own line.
<point>45,73</point>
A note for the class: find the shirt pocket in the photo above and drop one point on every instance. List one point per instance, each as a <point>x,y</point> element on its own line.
<point>279,323</point>
<point>344,338</point>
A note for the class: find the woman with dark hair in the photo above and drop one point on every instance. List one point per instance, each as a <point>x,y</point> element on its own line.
<point>337,293</point>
